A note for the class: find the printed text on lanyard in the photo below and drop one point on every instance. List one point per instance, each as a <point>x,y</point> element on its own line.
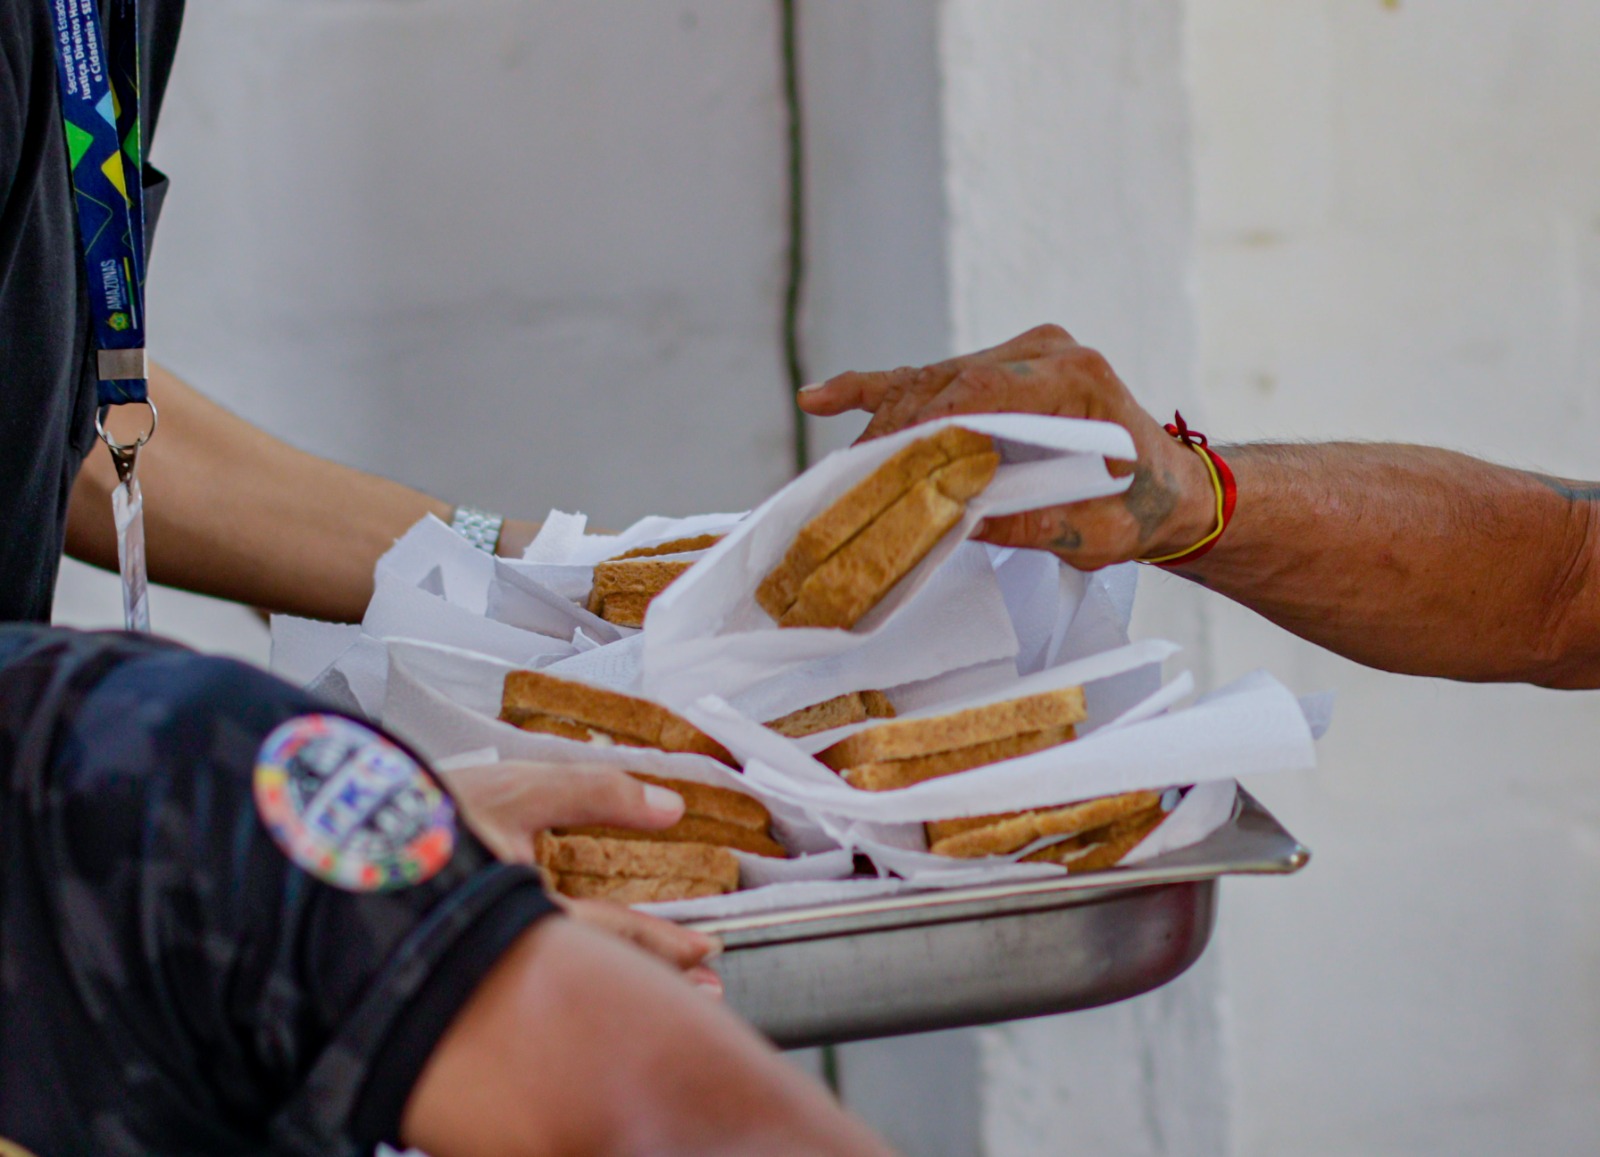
<point>97,75</point>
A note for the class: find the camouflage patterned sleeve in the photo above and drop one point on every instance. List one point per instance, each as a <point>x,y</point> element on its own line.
<point>234,922</point>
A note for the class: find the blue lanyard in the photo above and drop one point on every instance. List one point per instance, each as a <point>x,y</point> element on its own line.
<point>98,78</point>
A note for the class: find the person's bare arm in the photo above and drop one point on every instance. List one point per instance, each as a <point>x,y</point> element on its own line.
<point>233,512</point>
<point>577,1044</point>
<point>1417,560</point>
<point>1407,558</point>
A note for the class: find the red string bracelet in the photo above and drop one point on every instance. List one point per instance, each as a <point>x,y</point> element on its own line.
<point>1227,492</point>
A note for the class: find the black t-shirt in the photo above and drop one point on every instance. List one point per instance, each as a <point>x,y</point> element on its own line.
<point>47,379</point>
<point>171,981</point>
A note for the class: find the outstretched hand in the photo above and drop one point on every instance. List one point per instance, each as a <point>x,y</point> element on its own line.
<point>1169,504</point>
<point>510,803</point>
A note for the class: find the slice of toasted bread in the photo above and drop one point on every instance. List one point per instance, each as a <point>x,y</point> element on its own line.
<point>855,578</point>
<point>1102,848</point>
<point>877,705</point>
<point>1009,833</point>
<point>693,830</point>
<point>712,815</point>
<point>598,856</point>
<point>856,508</point>
<point>943,829</point>
<point>599,736</point>
<point>963,479</point>
<point>891,774</point>
<point>567,729</point>
<point>714,803</point>
<point>634,890</point>
<point>630,721</point>
<point>905,738</point>
<point>840,711</point>
<point>624,585</point>
<point>625,609</point>
<point>850,583</point>
<point>646,576</point>
<point>677,546</point>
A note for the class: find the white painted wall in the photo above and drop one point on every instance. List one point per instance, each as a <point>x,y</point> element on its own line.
<point>877,282</point>
<point>1067,139</point>
<point>483,244</point>
<point>1399,213</point>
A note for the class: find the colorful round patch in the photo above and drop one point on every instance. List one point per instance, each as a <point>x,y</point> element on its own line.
<point>350,807</point>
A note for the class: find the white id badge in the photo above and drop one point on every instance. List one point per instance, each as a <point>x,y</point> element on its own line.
<point>127,507</point>
<point>127,510</point>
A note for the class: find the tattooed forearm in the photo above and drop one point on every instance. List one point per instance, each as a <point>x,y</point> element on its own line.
<point>1571,491</point>
<point>1151,501</point>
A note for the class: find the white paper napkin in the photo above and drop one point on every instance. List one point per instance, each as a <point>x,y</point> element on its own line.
<point>1044,461</point>
<point>1253,726</point>
<point>405,610</point>
<point>431,544</point>
<point>1204,809</point>
<point>902,848</point>
<point>547,599</point>
<point>958,619</point>
<point>561,541</point>
<point>355,681</point>
<point>304,648</point>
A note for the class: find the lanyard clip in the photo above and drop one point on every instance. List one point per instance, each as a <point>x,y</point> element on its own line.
<point>126,460</point>
<point>127,509</point>
<point>125,455</point>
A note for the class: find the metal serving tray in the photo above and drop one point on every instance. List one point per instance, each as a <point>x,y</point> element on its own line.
<point>978,955</point>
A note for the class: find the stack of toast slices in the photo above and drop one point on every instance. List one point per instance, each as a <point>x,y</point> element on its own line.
<point>846,559</point>
<point>905,752</point>
<point>692,858</point>
<point>625,585</point>
<point>536,701</point>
